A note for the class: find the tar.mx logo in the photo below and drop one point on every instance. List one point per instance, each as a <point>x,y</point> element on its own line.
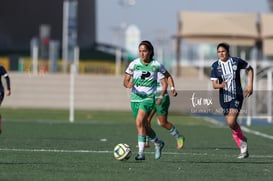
<point>200,101</point>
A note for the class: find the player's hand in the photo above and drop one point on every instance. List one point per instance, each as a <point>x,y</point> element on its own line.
<point>174,93</point>
<point>159,101</point>
<point>223,84</point>
<point>8,92</point>
<point>130,85</point>
<point>248,91</point>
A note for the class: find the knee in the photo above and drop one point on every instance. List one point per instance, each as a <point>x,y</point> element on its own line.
<point>163,123</point>
<point>232,124</point>
<point>231,121</point>
<point>139,124</point>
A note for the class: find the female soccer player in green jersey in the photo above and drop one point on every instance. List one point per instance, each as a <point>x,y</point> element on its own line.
<point>161,110</point>
<point>141,77</point>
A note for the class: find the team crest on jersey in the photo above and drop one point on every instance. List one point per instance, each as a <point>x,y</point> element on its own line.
<point>234,67</point>
<point>237,103</point>
<point>154,68</point>
<point>137,67</point>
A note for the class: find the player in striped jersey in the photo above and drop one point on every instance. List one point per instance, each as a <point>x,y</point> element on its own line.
<point>3,73</point>
<point>225,76</point>
<point>141,77</point>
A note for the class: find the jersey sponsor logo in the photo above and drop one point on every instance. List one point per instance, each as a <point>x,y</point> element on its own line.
<point>145,74</point>
<point>142,82</point>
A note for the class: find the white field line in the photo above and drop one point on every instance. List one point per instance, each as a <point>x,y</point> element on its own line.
<point>257,133</point>
<point>111,152</point>
<point>83,151</point>
<point>211,120</point>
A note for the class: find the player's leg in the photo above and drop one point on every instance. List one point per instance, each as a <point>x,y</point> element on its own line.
<point>231,118</point>
<point>149,119</point>
<point>140,125</point>
<point>180,139</point>
<point>237,133</point>
<point>162,116</point>
<point>138,114</point>
<point>159,144</point>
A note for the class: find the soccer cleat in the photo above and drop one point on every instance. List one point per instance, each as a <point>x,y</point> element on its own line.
<point>158,149</point>
<point>243,150</point>
<point>243,155</point>
<point>180,142</point>
<point>140,157</point>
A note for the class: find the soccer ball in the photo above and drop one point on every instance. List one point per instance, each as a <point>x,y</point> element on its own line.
<point>122,151</point>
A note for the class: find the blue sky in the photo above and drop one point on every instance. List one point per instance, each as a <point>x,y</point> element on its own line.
<point>158,18</point>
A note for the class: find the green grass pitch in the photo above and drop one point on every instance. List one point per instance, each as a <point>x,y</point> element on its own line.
<point>39,144</point>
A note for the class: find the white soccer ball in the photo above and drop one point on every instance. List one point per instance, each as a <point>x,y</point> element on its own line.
<point>122,151</point>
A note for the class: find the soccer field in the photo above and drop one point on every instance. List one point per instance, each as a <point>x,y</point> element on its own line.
<point>43,145</point>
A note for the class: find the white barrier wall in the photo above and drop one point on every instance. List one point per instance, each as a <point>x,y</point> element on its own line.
<point>91,91</point>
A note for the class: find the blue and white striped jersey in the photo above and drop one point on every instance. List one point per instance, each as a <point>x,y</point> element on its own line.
<point>229,72</point>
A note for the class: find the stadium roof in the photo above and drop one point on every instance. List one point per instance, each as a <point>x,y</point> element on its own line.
<point>267,33</point>
<point>235,28</point>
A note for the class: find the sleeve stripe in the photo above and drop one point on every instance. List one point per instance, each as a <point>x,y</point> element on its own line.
<point>247,66</point>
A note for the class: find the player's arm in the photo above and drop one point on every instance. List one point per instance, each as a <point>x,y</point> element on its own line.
<point>164,86</point>
<point>127,83</point>
<point>4,73</point>
<point>8,92</point>
<point>170,82</point>
<point>249,89</point>
<point>215,80</point>
<point>217,85</point>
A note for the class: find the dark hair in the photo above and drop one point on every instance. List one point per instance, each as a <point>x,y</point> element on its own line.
<point>224,45</point>
<point>149,46</point>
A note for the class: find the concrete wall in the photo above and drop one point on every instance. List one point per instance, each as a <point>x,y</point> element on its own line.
<point>93,92</point>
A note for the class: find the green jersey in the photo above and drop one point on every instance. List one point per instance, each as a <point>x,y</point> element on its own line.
<point>144,78</point>
<point>159,85</point>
